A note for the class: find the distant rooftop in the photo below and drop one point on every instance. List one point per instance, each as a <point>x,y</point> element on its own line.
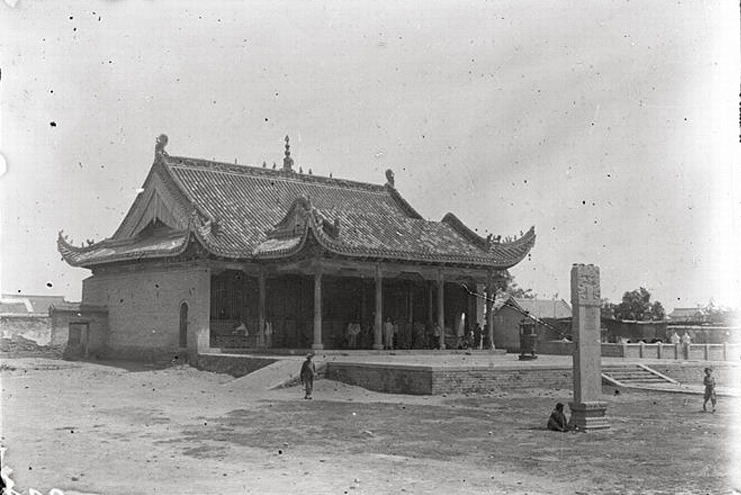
<point>26,304</point>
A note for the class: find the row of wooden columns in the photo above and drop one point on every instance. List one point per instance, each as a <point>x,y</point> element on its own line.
<point>377,331</point>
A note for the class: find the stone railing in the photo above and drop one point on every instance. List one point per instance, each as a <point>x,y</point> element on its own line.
<point>694,352</point>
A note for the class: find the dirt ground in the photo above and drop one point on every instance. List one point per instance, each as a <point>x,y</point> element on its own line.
<point>120,428</point>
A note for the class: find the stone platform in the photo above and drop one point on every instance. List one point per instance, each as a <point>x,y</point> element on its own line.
<point>448,371</point>
<point>412,372</point>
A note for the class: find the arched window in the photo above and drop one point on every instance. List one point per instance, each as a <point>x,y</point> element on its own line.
<point>184,325</point>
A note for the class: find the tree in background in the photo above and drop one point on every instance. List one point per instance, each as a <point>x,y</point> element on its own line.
<point>509,286</point>
<point>716,315</point>
<point>636,305</point>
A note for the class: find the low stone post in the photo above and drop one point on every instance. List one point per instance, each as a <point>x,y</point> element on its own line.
<point>676,351</point>
<point>725,351</point>
<point>642,350</point>
<point>659,346</point>
<point>587,411</point>
<point>707,352</point>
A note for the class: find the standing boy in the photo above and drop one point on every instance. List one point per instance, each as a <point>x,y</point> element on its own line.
<point>709,382</point>
<point>308,371</point>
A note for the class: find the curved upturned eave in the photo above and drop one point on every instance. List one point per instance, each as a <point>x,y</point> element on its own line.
<point>498,257</point>
<point>71,254</point>
<point>522,245</point>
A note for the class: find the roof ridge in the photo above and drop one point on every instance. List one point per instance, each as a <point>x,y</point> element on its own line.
<point>255,171</point>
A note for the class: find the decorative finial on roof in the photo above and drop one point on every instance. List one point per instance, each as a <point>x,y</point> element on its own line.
<point>264,164</point>
<point>300,170</point>
<point>287,160</point>
<point>330,175</point>
<point>274,165</point>
<point>310,172</point>
<point>390,177</point>
<point>159,147</point>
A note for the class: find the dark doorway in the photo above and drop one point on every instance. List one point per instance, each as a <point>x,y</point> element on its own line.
<point>77,342</point>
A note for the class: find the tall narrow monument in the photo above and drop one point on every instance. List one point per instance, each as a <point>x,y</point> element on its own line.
<point>587,412</point>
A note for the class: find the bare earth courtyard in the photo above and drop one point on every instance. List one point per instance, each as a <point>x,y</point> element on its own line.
<point>116,428</point>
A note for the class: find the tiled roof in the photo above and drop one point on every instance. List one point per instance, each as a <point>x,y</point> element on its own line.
<point>242,212</point>
<point>27,304</point>
<point>680,314</point>
<point>545,308</point>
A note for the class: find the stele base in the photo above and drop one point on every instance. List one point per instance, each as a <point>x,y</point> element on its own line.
<point>589,416</point>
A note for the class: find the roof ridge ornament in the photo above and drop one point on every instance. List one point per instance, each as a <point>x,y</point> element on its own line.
<point>159,146</point>
<point>287,160</point>
<point>390,177</point>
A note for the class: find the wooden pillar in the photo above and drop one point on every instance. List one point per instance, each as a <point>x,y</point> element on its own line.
<point>441,307</point>
<point>377,327</point>
<point>261,309</point>
<point>317,312</point>
<point>411,304</point>
<point>489,306</point>
<point>430,313</point>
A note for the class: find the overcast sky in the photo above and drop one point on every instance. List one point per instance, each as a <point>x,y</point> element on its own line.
<point>612,126</point>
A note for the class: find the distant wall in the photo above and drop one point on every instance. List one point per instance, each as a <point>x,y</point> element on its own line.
<point>32,327</point>
<point>707,335</point>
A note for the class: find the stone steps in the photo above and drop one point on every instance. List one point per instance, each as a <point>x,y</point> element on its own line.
<point>633,375</point>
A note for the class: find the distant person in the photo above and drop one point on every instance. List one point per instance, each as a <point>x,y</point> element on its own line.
<point>709,382</point>
<point>308,372</point>
<point>436,336</point>
<point>268,334</point>
<point>675,339</point>
<point>388,334</point>
<point>686,339</point>
<point>557,421</point>
<point>477,336</point>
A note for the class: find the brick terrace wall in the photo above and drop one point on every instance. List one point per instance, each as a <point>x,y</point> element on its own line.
<point>426,380</point>
<point>483,380</point>
<point>234,366</point>
<point>36,328</point>
<point>144,308</point>
<point>413,380</point>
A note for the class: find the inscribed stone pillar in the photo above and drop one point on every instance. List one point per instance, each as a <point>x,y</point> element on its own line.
<point>587,411</point>
<point>377,327</point>
<point>317,345</point>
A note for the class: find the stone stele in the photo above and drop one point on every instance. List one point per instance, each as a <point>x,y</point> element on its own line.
<point>587,412</point>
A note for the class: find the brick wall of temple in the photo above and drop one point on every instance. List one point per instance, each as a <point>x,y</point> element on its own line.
<point>144,308</point>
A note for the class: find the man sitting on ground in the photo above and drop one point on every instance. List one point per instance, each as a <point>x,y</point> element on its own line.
<point>558,421</point>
